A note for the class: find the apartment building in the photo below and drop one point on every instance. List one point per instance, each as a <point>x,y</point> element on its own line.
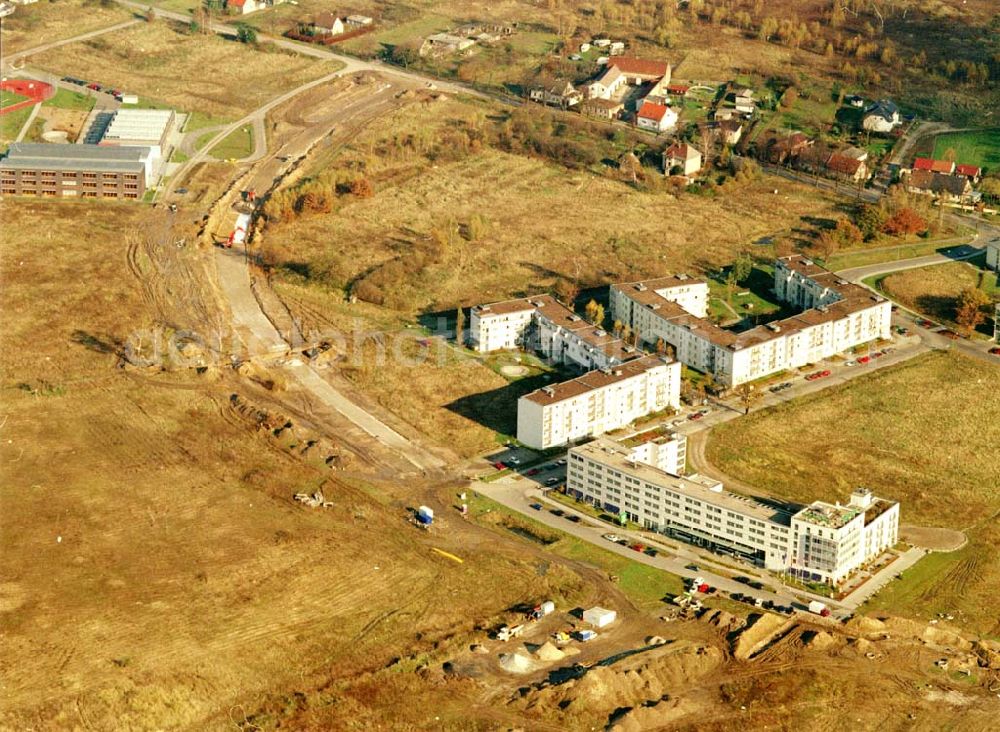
<point>993,255</point>
<point>599,401</point>
<point>87,171</point>
<point>663,449</point>
<point>836,316</point>
<point>820,542</point>
<point>542,323</point>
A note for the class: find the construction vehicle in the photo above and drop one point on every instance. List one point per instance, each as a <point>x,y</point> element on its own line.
<point>819,608</point>
<point>561,638</point>
<point>507,632</point>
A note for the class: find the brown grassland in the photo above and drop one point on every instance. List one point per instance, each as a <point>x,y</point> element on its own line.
<point>163,63</point>
<point>44,22</point>
<point>923,433</point>
<point>934,291</point>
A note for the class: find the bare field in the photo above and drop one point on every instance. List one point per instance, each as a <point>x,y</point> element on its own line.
<point>923,433</point>
<point>189,72</point>
<point>535,222</point>
<point>42,22</point>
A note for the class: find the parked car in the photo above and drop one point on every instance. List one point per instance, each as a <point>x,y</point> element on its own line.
<point>574,518</point>
<point>561,461</point>
<point>692,567</point>
<point>850,363</point>
<point>638,547</point>
<point>499,466</point>
<point>94,86</point>
<point>533,471</point>
<point>651,551</point>
<point>622,542</point>
<point>611,537</point>
<point>696,415</point>
<point>537,506</point>
<point>864,359</point>
<point>557,512</point>
<point>924,323</point>
<point>551,481</point>
<point>995,351</point>
<point>949,334</point>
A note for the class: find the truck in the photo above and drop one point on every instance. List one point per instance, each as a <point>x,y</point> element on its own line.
<point>585,635</point>
<point>818,608</point>
<point>507,632</point>
<point>425,515</point>
<point>540,611</point>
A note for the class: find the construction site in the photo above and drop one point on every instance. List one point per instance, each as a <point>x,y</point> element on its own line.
<point>208,525</point>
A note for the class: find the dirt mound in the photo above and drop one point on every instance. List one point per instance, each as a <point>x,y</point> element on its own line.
<point>644,677</point>
<point>861,645</point>
<point>549,652</point>
<point>761,630</point>
<point>726,622</point>
<point>988,652</point>
<point>865,626</point>
<point>659,715</point>
<point>819,640</point>
<point>942,637</point>
<point>904,627</point>
<point>518,662</point>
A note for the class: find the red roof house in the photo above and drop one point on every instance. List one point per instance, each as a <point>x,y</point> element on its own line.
<point>640,68</point>
<point>657,117</point>
<point>969,171</point>
<point>938,166</point>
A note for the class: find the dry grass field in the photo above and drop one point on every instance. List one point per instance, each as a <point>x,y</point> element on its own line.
<point>189,72</point>
<point>923,433</point>
<point>44,22</point>
<point>934,291</point>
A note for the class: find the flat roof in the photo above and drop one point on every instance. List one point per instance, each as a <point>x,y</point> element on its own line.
<point>42,156</point>
<point>827,515</point>
<point>608,452</point>
<point>593,380</point>
<point>505,307</point>
<point>139,124</point>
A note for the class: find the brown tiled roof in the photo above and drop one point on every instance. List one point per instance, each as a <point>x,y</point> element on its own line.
<point>640,66</point>
<point>681,151</point>
<point>842,164</point>
<point>594,380</point>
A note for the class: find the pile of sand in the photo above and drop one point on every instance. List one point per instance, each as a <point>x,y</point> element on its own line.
<point>865,626</point>
<point>761,630</point>
<point>726,622</point>
<point>516,662</point>
<point>549,652</point>
<point>819,640</point>
<point>941,637</point>
<point>988,652</point>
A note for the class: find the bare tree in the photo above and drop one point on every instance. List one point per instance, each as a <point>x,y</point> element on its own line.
<point>748,396</point>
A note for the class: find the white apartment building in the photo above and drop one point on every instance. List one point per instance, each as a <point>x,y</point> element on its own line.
<point>598,402</point>
<point>541,323</point>
<point>837,316</point>
<point>659,447</point>
<point>820,542</point>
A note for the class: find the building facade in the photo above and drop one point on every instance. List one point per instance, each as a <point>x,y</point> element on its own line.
<point>993,255</point>
<point>598,402</point>
<point>84,171</point>
<point>836,316</point>
<point>820,542</point>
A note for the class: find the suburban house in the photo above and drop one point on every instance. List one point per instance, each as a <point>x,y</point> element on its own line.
<point>607,84</point>
<point>558,94</point>
<point>972,172</point>
<point>881,116</point>
<point>744,102</point>
<point>246,6</point>
<point>731,130</point>
<point>783,150</point>
<point>847,168</point>
<point>938,166</point>
<point>931,183</point>
<point>327,24</point>
<point>638,71</point>
<point>603,108</point>
<point>656,117</point>
<point>443,44</point>
<point>683,157</point>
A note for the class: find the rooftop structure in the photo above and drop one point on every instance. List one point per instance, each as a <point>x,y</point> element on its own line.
<point>139,127</point>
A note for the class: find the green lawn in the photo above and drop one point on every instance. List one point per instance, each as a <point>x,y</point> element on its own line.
<point>66,99</point>
<point>749,298</point>
<point>7,98</point>
<point>238,144</point>
<point>11,124</point>
<point>199,121</point>
<point>412,31</point>
<point>981,147</point>
<point>533,42</point>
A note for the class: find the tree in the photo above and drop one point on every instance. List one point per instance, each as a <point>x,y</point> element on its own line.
<point>404,54</point>
<point>871,218</point>
<point>904,221</point>
<point>362,188</point>
<point>969,310</point>
<point>150,14</point>
<point>246,34</point>
<point>742,266</point>
<point>591,311</point>
<point>789,98</point>
<point>748,396</point>
<point>847,233</point>
<point>661,347</point>
<point>459,325</point>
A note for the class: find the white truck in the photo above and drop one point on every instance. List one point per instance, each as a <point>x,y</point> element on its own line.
<point>818,608</point>
<point>507,632</point>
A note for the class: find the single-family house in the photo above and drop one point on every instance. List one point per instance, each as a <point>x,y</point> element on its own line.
<point>243,7</point>
<point>639,70</point>
<point>444,43</point>
<point>938,166</point>
<point>607,84</point>
<point>558,94</point>
<point>358,21</point>
<point>655,117</point>
<point>327,24</point>
<point>847,168</point>
<point>931,183</point>
<point>724,113</point>
<point>681,158</point>
<point>881,116</point>
<point>783,150</point>
<point>602,108</point>
<point>678,90</point>
<point>855,153</point>
<point>744,102</point>
<point>731,130</point>
<point>972,172</point>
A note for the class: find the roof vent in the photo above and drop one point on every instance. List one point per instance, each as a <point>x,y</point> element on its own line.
<point>654,306</point>
<point>599,333</point>
<point>550,390</point>
<point>640,287</point>
<point>807,262</point>
<point>618,372</point>
<point>775,327</point>
<point>484,308</point>
<point>629,349</point>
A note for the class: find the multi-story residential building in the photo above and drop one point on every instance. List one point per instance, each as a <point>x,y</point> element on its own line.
<point>541,323</point>
<point>837,316</point>
<point>598,402</point>
<point>87,171</point>
<point>659,447</point>
<point>820,542</point>
<point>993,255</point>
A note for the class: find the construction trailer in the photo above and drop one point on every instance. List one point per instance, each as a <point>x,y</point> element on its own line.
<point>599,617</point>
<point>425,515</point>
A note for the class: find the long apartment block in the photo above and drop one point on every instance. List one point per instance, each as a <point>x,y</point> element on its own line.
<point>597,402</point>
<point>836,316</point>
<point>542,323</point>
<point>820,542</point>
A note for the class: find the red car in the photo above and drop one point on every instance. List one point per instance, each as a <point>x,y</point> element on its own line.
<point>824,373</point>
<point>995,351</point>
<point>638,547</point>
<point>95,87</point>
<point>925,324</point>
<point>533,471</point>
<point>696,415</point>
<point>499,466</point>
<point>864,359</point>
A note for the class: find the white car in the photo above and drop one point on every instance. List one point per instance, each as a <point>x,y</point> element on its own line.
<point>612,537</point>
